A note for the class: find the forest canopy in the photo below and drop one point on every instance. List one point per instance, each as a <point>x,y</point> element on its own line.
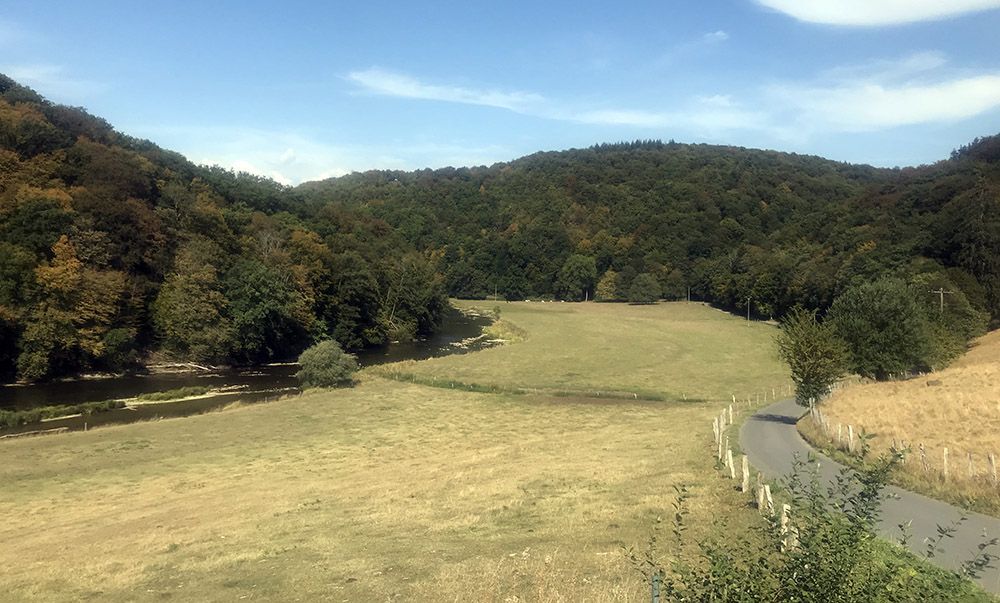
<point>112,249</point>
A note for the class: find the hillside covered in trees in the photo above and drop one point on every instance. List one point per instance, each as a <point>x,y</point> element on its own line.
<point>731,224</point>
<point>112,249</point>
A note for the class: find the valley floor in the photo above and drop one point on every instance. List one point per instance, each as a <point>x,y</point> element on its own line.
<point>398,491</point>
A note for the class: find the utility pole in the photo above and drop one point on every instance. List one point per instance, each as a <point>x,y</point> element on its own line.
<point>748,309</point>
<point>941,292</point>
<point>689,294</point>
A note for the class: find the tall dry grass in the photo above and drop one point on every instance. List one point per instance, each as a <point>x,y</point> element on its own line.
<point>957,408</point>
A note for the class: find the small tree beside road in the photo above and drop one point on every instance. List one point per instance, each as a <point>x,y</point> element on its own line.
<point>815,354</point>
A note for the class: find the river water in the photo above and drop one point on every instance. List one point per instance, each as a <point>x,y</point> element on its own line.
<point>459,333</point>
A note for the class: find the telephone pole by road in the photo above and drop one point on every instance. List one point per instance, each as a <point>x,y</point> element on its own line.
<point>941,292</point>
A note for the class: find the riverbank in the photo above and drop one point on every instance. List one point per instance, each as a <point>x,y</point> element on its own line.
<point>461,332</point>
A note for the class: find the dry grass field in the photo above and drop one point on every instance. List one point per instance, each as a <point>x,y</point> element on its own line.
<point>957,408</point>
<point>393,491</point>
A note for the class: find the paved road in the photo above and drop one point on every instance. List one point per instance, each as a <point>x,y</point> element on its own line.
<point>771,440</point>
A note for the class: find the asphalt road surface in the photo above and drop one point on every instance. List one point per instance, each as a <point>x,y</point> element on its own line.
<point>770,439</point>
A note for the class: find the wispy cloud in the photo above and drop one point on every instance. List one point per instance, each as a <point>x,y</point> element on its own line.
<point>53,82</point>
<point>870,13</point>
<point>388,83</point>
<point>710,114</point>
<point>292,156</point>
<point>916,89</point>
<point>715,37</point>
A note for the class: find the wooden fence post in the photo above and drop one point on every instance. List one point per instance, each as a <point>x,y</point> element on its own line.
<point>770,501</point>
<point>850,439</point>
<point>972,468</point>
<point>945,464</point>
<point>785,509</point>
<point>730,414</point>
<point>840,435</point>
<point>761,500</point>
<point>745,484</point>
<point>993,467</point>
<point>732,465</point>
<point>923,457</point>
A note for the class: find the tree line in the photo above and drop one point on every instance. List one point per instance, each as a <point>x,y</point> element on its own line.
<point>114,252</point>
<point>746,230</point>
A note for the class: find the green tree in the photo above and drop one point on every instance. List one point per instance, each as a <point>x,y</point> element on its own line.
<point>816,356</point>
<point>884,327</point>
<point>325,364</point>
<point>190,312</point>
<point>576,278</point>
<point>271,316</point>
<point>645,289</point>
<point>607,287</point>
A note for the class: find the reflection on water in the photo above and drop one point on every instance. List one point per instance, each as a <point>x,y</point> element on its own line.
<point>246,384</point>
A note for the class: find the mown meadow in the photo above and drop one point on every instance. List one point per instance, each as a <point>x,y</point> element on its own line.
<point>402,491</point>
<point>392,490</point>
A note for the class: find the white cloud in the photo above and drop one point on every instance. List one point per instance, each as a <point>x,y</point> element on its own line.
<point>916,89</point>
<point>715,37</point>
<point>291,157</point>
<point>868,13</point>
<point>388,83</point>
<point>706,115</point>
<point>867,106</point>
<point>51,81</point>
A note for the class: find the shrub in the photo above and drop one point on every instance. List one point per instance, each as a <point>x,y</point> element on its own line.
<point>326,365</point>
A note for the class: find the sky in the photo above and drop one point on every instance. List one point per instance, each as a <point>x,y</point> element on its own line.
<point>301,91</point>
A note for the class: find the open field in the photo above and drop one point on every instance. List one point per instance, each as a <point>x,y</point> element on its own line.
<point>391,490</point>
<point>957,408</point>
<point>671,351</point>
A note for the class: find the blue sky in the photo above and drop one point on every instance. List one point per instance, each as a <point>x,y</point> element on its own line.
<point>305,90</point>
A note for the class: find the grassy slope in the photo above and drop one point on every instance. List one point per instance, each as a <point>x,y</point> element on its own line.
<point>961,413</point>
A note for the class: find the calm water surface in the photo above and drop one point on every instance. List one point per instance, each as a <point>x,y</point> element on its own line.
<point>458,334</point>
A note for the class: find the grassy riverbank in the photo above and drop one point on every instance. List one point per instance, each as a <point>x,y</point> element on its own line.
<point>394,491</point>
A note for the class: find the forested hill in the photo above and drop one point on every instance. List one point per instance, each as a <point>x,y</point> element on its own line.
<point>730,223</point>
<point>114,251</point>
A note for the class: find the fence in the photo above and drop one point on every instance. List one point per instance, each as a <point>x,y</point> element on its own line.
<point>948,464</point>
<point>759,490</point>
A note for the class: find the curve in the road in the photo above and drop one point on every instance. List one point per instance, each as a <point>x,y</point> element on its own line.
<point>770,439</point>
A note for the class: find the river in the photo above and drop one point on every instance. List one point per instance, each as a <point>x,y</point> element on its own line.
<point>459,333</point>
